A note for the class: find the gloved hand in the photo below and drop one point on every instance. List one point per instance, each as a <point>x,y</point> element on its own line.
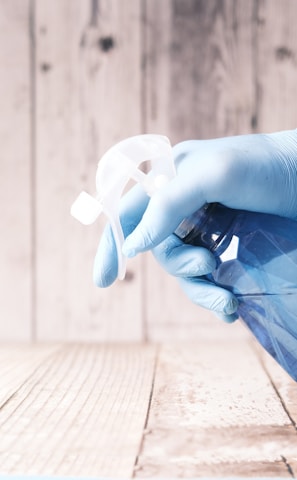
<point>250,172</point>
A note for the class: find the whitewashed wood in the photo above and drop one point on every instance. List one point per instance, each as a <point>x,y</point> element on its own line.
<point>214,412</point>
<point>81,413</point>
<point>196,324</point>
<point>16,174</point>
<point>286,389</point>
<point>275,65</point>
<point>211,71</point>
<point>88,80</point>
<point>17,364</point>
<point>157,38</point>
<point>283,383</point>
<point>198,84</point>
<point>81,410</point>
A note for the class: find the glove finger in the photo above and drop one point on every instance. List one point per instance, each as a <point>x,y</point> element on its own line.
<point>131,208</point>
<point>165,211</point>
<point>182,260</point>
<point>206,294</point>
<point>105,268</point>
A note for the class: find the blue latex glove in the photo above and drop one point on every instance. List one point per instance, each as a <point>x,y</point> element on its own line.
<point>251,172</point>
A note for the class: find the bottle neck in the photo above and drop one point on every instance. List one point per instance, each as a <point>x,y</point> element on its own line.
<point>209,227</point>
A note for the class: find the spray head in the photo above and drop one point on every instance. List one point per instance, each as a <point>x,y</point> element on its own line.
<point>117,166</point>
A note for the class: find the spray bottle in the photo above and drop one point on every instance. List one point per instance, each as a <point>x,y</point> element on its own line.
<point>256,253</point>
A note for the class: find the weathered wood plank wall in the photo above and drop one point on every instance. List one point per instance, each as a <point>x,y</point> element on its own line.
<point>75,78</point>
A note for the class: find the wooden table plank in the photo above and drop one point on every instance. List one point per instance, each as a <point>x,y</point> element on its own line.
<point>80,410</point>
<point>214,412</point>
<point>283,383</point>
<point>18,363</point>
<point>286,389</point>
<point>81,413</point>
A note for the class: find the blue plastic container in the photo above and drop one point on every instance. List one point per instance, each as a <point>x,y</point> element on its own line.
<point>257,260</point>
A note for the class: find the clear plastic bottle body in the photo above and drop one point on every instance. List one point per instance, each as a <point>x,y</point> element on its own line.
<point>260,269</point>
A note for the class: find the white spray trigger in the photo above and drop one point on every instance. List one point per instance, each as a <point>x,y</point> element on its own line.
<point>86,208</point>
<point>117,166</point>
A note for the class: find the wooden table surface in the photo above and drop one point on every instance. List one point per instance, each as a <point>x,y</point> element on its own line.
<point>217,407</point>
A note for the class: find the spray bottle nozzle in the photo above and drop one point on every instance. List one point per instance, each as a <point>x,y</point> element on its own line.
<point>117,166</point>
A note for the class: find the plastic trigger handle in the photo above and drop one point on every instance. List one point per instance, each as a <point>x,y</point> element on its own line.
<point>117,166</point>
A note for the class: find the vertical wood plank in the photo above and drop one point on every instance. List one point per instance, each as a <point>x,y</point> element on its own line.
<point>88,86</point>
<point>15,177</point>
<point>213,95</point>
<point>199,67</point>
<point>276,65</point>
<point>199,84</point>
<point>157,19</point>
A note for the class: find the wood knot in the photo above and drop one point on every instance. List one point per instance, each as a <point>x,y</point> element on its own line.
<point>106,43</point>
<point>45,67</point>
<point>283,53</point>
